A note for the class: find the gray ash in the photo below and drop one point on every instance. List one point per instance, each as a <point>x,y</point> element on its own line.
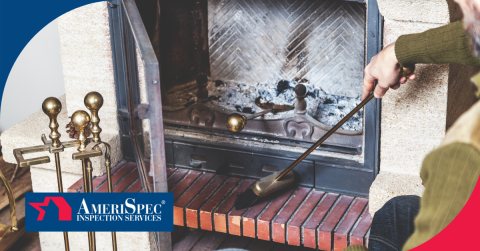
<point>328,109</point>
<point>334,108</point>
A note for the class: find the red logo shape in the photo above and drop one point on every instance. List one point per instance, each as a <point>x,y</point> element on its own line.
<point>64,210</point>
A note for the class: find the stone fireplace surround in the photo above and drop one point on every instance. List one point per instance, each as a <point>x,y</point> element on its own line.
<point>414,118</point>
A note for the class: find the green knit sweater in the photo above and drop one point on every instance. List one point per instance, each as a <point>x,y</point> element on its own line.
<point>450,172</point>
<point>448,44</point>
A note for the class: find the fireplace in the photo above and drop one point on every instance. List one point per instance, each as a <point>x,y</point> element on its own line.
<point>222,57</point>
<point>181,68</point>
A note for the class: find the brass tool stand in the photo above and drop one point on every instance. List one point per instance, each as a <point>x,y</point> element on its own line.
<point>87,148</point>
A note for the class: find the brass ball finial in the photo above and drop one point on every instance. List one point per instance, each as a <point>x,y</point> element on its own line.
<point>80,120</point>
<point>51,107</point>
<point>236,122</point>
<point>93,101</point>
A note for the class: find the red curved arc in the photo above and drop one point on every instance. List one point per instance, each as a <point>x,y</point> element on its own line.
<point>462,232</point>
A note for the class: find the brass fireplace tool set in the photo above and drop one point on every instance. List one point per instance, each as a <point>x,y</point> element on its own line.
<point>87,148</point>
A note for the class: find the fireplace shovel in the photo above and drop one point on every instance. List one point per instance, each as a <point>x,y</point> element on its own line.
<point>274,182</point>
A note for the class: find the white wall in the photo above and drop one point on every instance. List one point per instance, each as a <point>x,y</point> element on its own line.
<point>36,75</point>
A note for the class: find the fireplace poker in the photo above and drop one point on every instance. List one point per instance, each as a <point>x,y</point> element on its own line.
<point>52,107</point>
<point>81,119</point>
<point>284,178</point>
<point>94,101</point>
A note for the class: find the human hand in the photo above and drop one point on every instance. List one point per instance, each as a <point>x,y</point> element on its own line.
<point>385,68</point>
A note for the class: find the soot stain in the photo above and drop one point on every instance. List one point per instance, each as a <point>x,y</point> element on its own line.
<point>282,86</point>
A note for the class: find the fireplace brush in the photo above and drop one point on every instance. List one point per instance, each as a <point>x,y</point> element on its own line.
<point>274,182</point>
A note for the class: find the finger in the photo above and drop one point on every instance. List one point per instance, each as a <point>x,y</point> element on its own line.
<point>412,77</point>
<point>395,86</point>
<point>368,83</point>
<point>380,91</point>
<point>402,80</point>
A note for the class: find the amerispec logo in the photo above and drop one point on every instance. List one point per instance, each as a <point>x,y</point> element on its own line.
<point>64,209</point>
<point>127,211</point>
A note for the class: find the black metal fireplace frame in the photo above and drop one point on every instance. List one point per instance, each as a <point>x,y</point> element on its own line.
<point>331,174</point>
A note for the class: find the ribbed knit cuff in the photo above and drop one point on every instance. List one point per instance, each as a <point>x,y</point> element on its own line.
<point>411,49</point>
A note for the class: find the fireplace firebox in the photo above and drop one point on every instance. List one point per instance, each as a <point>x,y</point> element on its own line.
<point>253,54</point>
<point>199,61</point>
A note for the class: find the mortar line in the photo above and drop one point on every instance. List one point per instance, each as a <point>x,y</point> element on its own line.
<point>310,216</point>
<point>223,200</point>
<point>344,214</point>
<point>349,236</point>
<point>180,181</point>
<point>260,215</point>
<point>113,185</point>
<point>280,211</point>
<point>295,213</point>
<point>193,183</point>
<point>194,197</point>
<point>206,201</point>
<point>99,185</point>
<point>133,183</point>
<point>325,218</point>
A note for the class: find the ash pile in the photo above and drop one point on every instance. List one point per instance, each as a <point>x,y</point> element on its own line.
<point>326,108</point>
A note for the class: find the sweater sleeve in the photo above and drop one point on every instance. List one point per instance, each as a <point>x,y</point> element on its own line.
<point>448,44</point>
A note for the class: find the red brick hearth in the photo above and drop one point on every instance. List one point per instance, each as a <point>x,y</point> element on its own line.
<point>298,216</point>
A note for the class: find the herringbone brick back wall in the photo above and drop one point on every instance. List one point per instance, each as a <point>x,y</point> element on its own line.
<point>321,41</point>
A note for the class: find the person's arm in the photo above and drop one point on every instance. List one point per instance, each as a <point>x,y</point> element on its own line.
<point>448,44</point>
<point>450,174</point>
